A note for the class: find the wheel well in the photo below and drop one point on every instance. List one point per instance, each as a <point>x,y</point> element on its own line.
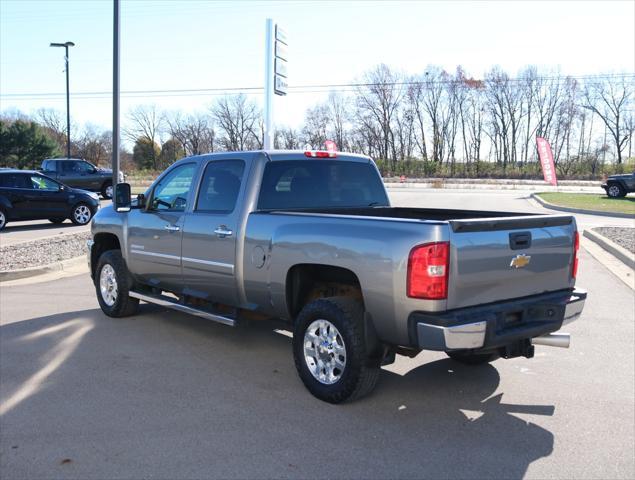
<point>103,242</point>
<point>306,282</point>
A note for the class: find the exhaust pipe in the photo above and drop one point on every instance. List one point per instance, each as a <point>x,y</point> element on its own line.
<point>557,339</point>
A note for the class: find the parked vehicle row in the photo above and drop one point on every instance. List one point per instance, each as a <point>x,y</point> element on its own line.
<point>310,238</point>
<point>30,195</point>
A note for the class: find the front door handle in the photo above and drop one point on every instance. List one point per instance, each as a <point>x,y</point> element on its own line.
<point>222,231</point>
<point>172,228</point>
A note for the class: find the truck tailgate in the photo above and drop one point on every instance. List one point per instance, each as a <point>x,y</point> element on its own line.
<point>502,258</point>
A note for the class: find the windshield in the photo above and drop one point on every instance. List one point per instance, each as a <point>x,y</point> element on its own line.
<point>320,184</point>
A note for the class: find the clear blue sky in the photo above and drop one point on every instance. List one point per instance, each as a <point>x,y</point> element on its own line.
<point>216,44</point>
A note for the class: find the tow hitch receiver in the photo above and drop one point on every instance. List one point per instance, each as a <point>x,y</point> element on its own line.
<point>521,348</point>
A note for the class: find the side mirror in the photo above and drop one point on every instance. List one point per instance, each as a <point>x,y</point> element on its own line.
<point>122,197</point>
<point>62,188</point>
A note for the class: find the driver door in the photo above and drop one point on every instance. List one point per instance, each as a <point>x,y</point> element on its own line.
<point>155,233</point>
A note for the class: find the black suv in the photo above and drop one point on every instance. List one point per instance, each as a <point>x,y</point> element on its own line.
<point>29,195</point>
<point>619,185</point>
<point>79,173</point>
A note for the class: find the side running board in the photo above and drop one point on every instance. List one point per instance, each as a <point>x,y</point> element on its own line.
<point>169,303</point>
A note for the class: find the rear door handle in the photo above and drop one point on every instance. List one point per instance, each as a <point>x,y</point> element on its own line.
<point>222,231</point>
<point>172,228</point>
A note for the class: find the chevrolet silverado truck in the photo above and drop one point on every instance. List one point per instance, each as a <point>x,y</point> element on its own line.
<point>310,239</point>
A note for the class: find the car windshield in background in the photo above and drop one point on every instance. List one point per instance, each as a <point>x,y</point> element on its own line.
<point>320,184</point>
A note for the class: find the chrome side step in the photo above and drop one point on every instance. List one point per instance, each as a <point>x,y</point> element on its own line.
<point>166,302</point>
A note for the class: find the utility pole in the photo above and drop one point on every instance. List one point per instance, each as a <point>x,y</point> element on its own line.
<point>115,95</point>
<point>68,101</point>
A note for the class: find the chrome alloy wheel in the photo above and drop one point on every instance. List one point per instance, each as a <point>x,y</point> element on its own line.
<point>324,352</point>
<point>108,285</point>
<point>109,191</point>
<point>3,219</point>
<point>82,214</point>
<point>614,191</point>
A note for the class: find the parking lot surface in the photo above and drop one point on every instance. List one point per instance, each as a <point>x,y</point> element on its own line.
<point>166,395</point>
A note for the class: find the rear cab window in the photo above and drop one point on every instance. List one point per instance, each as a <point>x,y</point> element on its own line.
<point>305,184</point>
<point>220,186</point>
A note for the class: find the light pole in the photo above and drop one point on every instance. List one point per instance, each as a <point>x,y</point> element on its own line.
<point>68,102</point>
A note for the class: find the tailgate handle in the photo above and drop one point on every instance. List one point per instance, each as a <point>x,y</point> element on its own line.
<point>520,240</point>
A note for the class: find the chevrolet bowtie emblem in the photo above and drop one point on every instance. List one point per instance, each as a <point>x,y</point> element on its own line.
<point>520,261</point>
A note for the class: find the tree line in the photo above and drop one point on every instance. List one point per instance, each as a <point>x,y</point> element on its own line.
<point>427,124</point>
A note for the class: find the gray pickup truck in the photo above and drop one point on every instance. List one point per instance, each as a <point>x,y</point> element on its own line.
<point>310,238</point>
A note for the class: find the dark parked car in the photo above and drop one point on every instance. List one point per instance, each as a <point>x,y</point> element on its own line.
<point>619,185</point>
<point>29,195</point>
<point>79,173</point>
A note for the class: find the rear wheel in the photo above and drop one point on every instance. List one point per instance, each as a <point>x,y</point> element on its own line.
<point>615,190</point>
<point>112,284</point>
<point>329,350</point>
<point>81,214</point>
<point>57,220</point>
<point>107,190</point>
<point>472,358</point>
<point>3,219</point>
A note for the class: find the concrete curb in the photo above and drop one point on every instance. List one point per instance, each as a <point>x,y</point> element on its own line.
<point>546,204</point>
<point>10,275</point>
<point>613,248</point>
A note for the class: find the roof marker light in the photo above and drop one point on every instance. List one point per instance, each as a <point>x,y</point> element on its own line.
<point>319,154</point>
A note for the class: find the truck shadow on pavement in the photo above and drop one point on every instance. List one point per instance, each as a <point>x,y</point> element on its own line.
<point>168,395</point>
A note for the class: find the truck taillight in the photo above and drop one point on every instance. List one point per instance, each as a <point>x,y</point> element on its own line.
<point>428,270</point>
<point>576,247</point>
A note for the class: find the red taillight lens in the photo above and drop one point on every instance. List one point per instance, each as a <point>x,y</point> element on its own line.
<point>428,269</point>
<point>576,247</point>
<point>320,154</point>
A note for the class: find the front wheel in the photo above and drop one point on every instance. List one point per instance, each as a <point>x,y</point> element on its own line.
<point>472,358</point>
<point>81,214</point>
<point>330,351</point>
<point>615,190</point>
<point>112,284</point>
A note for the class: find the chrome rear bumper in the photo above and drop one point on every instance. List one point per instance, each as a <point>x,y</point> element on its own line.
<point>498,324</point>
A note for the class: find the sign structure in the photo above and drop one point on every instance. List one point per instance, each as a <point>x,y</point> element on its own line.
<point>280,64</point>
<point>546,160</point>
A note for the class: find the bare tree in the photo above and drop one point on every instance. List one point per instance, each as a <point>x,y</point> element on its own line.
<point>610,100</point>
<point>378,100</point>
<point>238,121</point>
<point>145,122</point>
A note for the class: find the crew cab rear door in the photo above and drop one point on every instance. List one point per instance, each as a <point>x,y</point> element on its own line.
<point>210,233</point>
<point>155,233</point>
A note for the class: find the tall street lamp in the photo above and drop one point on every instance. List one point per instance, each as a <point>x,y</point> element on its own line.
<point>68,102</point>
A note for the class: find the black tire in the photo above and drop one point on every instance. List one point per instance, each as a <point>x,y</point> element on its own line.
<point>78,219</point>
<point>104,190</point>
<point>360,373</point>
<point>472,358</point>
<point>124,305</point>
<point>3,219</point>
<point>615,190</point>
<point>57,220</point>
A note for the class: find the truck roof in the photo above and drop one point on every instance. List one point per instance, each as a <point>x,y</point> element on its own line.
<point>280,155</point>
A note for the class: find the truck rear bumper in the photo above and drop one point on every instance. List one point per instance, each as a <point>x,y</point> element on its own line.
<point>496,325</point>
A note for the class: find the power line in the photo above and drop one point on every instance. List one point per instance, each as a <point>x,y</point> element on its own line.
<point>316,88</point>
